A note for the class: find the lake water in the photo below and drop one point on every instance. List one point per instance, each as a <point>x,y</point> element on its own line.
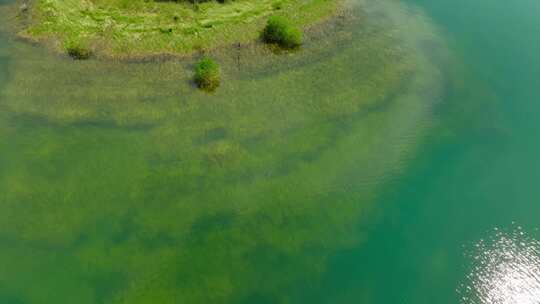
<point>395,162</point>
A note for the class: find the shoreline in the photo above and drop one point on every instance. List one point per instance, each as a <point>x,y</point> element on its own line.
<point>25,22</point>
<point>134,86</point>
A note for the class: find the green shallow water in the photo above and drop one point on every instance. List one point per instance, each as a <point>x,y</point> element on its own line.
<point>363,168</point>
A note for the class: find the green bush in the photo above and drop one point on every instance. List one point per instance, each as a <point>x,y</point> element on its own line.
<point>280,31</point>
<point>78,51</point>
<point>207,74</point>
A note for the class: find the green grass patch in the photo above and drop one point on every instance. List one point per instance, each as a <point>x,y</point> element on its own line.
<point>141,28</point>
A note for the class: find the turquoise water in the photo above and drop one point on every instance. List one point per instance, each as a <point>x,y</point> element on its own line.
<point>396,163</point>
<point>457,192</point>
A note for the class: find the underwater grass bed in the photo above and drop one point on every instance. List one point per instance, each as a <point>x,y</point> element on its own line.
<point>139,28</point>
<point>121,183</point>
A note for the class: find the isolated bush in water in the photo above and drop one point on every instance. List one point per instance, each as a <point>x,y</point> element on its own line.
<point>279,30</point>
<point>207,74</point>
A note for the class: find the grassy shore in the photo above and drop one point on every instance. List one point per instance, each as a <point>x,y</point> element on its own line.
<point>141,28</point>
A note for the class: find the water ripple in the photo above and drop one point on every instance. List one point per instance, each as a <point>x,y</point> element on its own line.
<point>506,270</point>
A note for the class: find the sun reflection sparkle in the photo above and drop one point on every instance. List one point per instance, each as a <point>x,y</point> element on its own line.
<point>506,271</point>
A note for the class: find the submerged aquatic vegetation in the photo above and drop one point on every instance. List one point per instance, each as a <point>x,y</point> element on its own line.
<point>122,190</point>
<point>207,74</point>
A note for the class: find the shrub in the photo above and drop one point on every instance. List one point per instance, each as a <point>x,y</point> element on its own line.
<point>280,31</point>
<point>207,74</point>
<point>78,51</point>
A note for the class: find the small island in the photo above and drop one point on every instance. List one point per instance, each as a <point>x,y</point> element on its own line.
<point>128,29</point>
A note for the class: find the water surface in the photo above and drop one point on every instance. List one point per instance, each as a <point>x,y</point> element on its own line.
<point>366,168</point>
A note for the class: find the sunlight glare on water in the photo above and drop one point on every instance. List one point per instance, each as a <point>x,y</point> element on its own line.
<point>506,270</point>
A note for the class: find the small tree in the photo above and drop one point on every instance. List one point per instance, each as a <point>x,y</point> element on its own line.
<point>279,30</point>
<point>207,74</point>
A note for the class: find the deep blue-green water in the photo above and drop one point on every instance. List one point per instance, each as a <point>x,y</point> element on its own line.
<point>397,163</point>
<point>458,191</point>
